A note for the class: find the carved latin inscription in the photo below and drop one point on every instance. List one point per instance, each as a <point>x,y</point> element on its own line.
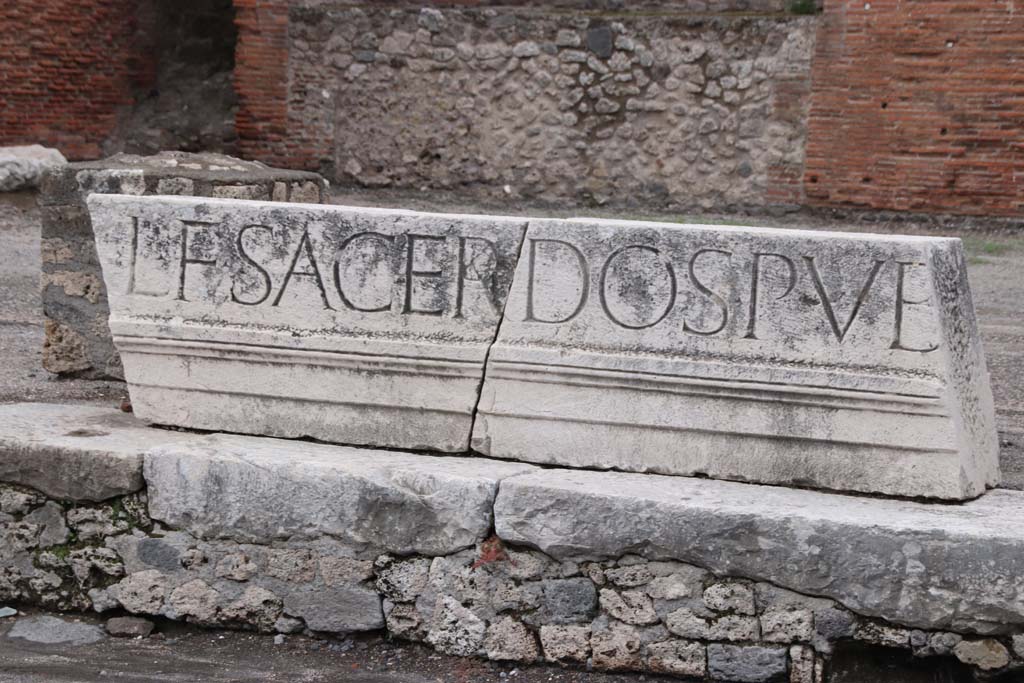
<point>364,326</point>
<point>710,291</point>
<point>335,267</point>
<point>840,361</point>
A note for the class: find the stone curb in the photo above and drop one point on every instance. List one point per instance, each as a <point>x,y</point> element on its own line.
<point>633,572</point>
<point>74,452</point>
<point>259,490</point>
<point>919,564</point>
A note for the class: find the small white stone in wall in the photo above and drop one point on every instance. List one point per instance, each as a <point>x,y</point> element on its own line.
<point>455,630</point>
<point>567,38</point>
<point>632,607</point>
<point>677,657</point>
<point>730,597</point>
<point>986,654</point>
<point>510,640</point>
<point>787,626</point>
<point>565,643</point>
<point>526,49</point>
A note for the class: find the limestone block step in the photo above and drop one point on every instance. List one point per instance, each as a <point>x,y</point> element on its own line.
<point>76,452</point>
<point>258,490</point>
<point>958,567</point>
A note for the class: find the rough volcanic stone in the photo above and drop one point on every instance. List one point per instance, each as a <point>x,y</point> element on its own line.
<point>985,654</point>
<point>23,167</point>
<point>142,592</point>
<point>340,609</point>
<point>566,601</point>
<point>47,630</point>
<point>256,490</point>
<point>787,626</point>
<point>75,452</point>
<point>615,646</point>
<point>455,630</point>
<point>565,643</point>
<point>730,597</point>
<point>510,640</point>
<point>677,657</point>
<point>631,607</point>
<point>129,627</point>
<point>354,325</point>
<point>898,560</point>
<point>402,580</point>
<point>837,361</point>
<point>745,663</point>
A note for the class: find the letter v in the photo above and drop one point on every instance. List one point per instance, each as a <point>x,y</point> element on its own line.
<point>826,301</point>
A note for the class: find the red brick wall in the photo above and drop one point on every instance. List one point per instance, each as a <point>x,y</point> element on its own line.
<point>67,69</point>
<point>918,105</point>
<point>261,82</point>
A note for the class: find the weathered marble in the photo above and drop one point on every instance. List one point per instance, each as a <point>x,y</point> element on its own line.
<point>924,565</point>
<point>78,341</point>
<point>361,326</point>
<point>838,361</point>
<point>258,490</point>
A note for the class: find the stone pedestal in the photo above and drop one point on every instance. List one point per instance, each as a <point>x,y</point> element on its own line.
<point>78,341</point>
<point>616,571</point>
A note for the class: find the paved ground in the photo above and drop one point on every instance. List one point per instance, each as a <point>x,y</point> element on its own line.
<point>179,654</point>
<point>996,268</point>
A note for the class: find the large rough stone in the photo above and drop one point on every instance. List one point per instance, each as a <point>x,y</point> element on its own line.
<point>74,452</point>
<point>47,630</point>
<point>932,566</point>
<point>745,663</point>
<point>256,490</point>
<point>677,657</point>
<point>23,167</point>
<point>565,643</point>
<point>360,326</point>
<point>340,609</point>
<point>836,361</point>
<point>509,640</point>
<point>455,630</point>
<point>984,654</point>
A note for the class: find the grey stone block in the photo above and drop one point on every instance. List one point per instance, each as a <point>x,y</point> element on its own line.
<point>956,567</point>
<point>258,490</point>
<point>47,630</point>
<point>746,663</point>
<point>74,452</point>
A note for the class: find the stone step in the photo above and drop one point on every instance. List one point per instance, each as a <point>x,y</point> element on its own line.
<point>76,452</point>
<point>927,565</point>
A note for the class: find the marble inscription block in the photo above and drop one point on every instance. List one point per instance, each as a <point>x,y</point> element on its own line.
<point>361,326</point>
<point>840,361</point>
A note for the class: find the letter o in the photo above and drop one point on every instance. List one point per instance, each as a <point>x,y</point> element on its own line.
<point>603,282</point>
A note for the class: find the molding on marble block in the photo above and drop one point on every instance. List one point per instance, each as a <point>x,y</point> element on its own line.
<point>838,361</point>
<point>76,452</point>
<point>353,325</point>
<point>262,490</point>
<point>923,565</point>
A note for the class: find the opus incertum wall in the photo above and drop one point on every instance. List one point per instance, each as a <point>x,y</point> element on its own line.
<point>848,362</point>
